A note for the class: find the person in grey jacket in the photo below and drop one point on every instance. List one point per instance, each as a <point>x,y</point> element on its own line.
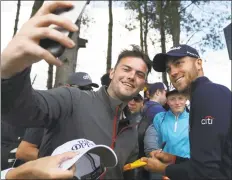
<point>67,112</point>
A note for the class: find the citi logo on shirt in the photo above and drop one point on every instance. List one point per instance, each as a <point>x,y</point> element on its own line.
<point>207,120</point>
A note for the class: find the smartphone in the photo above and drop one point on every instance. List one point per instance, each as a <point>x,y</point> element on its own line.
<point>74,14</point>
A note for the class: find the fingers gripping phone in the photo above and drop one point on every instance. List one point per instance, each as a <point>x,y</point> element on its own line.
<point>74,14</point>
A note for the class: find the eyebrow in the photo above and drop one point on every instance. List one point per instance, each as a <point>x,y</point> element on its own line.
<point>171,60</point>
<point>137,71</point>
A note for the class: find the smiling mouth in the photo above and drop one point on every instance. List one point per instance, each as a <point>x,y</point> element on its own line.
<point>179,79</point>
<point>128,85</point>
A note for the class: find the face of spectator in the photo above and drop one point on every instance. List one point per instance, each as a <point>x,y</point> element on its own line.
<point>147,94</point>
<point>135,105</point>
<point>128,78</point>
<point>183,71</point>
<point>176,102</point>
<point>160,96</point>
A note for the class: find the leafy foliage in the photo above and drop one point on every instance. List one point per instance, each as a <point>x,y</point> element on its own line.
<point>201,21</point>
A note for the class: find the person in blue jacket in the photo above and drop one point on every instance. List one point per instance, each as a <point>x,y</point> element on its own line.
<point>169,130</point>
<point>173,126</point>
<point>209,120</point>
<point>157,98</point>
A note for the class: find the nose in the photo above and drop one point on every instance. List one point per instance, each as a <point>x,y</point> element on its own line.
<point>173,71</point>
<point>131,103</point>
<point>131,75</point>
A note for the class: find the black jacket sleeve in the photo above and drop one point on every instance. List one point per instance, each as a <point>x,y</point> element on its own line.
<point>34,136</point>
<point>210,121</point>
<point>24,106</point>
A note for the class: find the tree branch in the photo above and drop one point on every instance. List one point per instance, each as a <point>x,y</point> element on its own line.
<point>191,36</point>
<point>195,43</point>
<point>186,7</point>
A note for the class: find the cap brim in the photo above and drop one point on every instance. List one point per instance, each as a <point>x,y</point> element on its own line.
<point>91,84</point>
<point>107,156</point>
<point>159,61</point>
<point>94,85</point>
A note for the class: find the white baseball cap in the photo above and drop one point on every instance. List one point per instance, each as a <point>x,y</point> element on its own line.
<point>91,160</point>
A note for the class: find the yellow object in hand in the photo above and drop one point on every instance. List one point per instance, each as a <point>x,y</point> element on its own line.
<point>134,165</point>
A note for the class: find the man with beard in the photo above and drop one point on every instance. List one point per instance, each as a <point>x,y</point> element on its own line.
<point>210,120</point>
<point>67,112</point>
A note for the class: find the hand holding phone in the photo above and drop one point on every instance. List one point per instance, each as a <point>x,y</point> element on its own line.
<point>74,14</point>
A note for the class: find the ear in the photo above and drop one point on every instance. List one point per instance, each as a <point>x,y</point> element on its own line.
<point>157,92</point>
<point>199,64</point>
<point>112,73</point>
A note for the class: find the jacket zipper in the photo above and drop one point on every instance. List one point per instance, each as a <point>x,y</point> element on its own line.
<point>114,135</point>
<point>175,125</point>
<point>114,129</point>
<point>113,138</point>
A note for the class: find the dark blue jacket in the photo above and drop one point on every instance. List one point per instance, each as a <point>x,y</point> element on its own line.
<point>210,134</point>
<point>151,108</point>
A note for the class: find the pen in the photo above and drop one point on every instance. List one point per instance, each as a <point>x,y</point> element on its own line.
<point>134,165</point>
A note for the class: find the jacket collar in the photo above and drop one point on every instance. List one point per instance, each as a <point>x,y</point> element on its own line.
<point>181,115</point>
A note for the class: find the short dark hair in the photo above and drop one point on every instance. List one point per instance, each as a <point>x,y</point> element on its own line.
<point>105,79</point>
<point>174,92</point>
<point>135,52</point>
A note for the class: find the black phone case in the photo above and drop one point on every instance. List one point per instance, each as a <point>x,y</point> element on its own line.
<point>55,48</point>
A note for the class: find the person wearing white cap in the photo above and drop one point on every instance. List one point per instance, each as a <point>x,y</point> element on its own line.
<point>68,112</point>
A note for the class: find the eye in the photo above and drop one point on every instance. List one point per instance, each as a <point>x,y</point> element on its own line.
<point>177,63</point>
<point>167,70</point>
<point>126,69</point>
<point>141,75</point>
<point>181,98</point>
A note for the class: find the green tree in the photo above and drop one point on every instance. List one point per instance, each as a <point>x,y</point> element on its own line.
<point>144,10</point>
